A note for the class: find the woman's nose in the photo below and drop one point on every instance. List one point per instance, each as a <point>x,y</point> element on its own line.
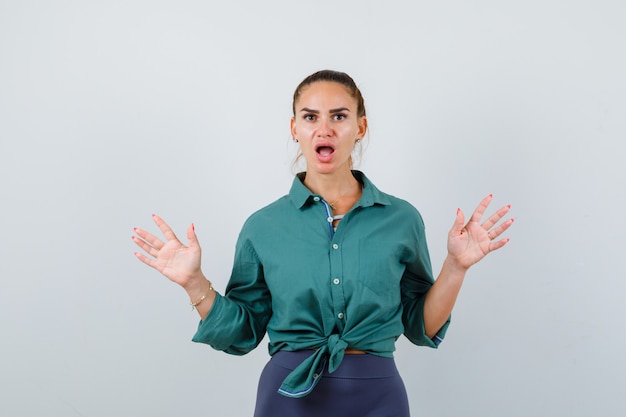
<point>324,129</point>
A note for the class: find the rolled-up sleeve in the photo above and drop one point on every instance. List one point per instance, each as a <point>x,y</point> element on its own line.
<point>237,321</point>
<point>416,281</point>
<point>413,296</point>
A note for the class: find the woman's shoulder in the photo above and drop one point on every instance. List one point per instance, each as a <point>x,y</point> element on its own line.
<point>403,208</point>
<point>391,201</point>
<point>268,213</point>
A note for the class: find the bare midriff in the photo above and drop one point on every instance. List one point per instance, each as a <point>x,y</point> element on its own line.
<point>351,351</point>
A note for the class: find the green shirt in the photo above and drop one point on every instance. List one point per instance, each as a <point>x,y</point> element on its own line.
<point>311,287</point>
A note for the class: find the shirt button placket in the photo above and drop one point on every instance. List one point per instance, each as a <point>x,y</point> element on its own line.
<point>339,305</point>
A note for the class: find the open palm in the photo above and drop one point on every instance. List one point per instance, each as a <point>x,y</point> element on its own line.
<point>469,243</point>
<point>176,261</point>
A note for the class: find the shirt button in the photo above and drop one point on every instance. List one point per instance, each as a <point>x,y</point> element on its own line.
<point>336,281</point>
<point>330,219</point>
<point>335,246</point>
<point>316,198</point>
<point>340,316</point>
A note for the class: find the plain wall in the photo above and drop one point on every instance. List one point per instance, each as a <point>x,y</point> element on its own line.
<point>113,110</point>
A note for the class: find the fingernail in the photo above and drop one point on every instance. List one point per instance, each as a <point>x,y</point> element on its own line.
<point>508,206</point>
<point>193,227</point>
<point>490,195</point>
<point>458,211</point>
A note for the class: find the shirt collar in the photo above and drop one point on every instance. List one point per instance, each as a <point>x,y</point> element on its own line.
<point>300,195</point>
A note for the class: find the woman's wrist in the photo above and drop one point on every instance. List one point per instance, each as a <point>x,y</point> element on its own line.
<point>199,290</point>
<point>197,286</point>
<point>196,303</point>
<point>453,267</point>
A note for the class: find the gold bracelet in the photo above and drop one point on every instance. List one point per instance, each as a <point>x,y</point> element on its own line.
<point>193,305</point>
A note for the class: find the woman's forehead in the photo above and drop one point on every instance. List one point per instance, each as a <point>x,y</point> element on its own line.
<point>326,93</point>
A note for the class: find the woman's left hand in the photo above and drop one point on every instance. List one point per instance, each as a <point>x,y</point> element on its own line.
<point>471,242</point>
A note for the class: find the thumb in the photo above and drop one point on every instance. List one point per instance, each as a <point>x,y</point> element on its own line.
<point>191,236</point>
<point>459,222</point>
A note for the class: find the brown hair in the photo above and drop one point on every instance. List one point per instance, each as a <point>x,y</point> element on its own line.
<point>336,77</point>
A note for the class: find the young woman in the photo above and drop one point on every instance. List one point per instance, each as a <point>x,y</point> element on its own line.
<point>335,271</point>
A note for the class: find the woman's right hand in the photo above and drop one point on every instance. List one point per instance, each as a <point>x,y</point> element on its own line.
<point>179,263</point>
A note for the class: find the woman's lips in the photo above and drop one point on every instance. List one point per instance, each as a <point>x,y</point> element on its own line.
<point>324,153</point>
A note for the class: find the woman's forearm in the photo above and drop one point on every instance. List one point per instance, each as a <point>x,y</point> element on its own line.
<point>442,296</point>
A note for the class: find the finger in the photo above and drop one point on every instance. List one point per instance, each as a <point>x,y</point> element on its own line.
<point>480,210</point>
<point>192,238</point>
<point>145,246</point>
<point>498,244</point>
<point>493,234</point>
<point>459,223</point>
<point>167,231</point>
<point>145,260</point>
<point>495,218</point>
<point>154,241</point>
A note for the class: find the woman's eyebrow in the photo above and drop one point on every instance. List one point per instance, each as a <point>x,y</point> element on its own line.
<point>337,110</point>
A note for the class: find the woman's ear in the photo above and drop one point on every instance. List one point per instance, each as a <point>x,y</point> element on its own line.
<point>292,127</point>
<point>362,126</point>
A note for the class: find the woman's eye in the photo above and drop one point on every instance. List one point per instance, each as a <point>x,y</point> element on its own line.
<point>309,117</point>
<point>340,116</point>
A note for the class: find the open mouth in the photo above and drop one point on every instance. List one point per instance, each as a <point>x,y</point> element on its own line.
<point>324,149</point>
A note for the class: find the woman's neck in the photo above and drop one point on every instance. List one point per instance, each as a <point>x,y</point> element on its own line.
<point>340,190</point>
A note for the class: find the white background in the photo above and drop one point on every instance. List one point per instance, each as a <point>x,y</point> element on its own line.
<point>113,110</point>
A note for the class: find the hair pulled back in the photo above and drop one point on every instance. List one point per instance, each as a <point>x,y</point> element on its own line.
<point>335,77</point>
